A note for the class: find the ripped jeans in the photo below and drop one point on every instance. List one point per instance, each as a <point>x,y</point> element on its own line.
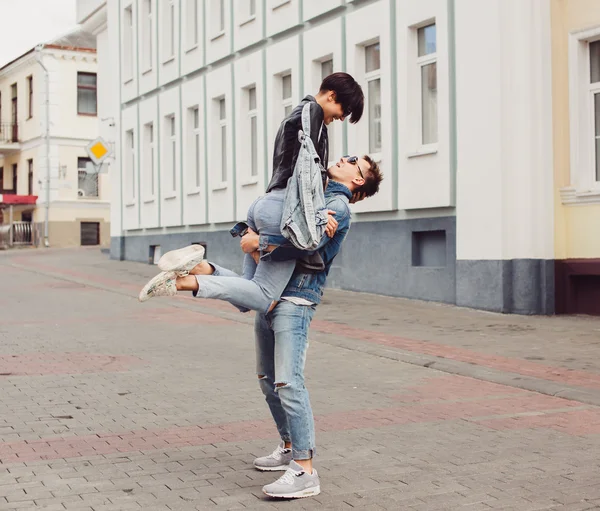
<point>281,345</point>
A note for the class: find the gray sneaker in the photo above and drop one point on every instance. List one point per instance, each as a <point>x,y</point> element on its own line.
<point>278,460</point>
<point>182,260</point>
<point>294,484</point>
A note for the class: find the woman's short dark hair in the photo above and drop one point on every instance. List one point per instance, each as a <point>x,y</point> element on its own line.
<point>348,93</point>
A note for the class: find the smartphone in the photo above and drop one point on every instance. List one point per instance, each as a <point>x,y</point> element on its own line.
<point>239,229</point>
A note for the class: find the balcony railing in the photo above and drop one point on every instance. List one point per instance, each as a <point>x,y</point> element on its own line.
<point>9,132</point>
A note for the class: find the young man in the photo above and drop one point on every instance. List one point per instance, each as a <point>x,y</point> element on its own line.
<point>282,338</point>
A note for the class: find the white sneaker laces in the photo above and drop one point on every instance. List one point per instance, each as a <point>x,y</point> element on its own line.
<point>277,452</point>
<point>288,477</point>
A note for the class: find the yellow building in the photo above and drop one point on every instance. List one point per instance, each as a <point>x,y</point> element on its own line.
<point>576,125</point>
<point>49,192</point>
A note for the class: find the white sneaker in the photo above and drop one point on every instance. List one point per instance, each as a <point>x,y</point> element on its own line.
<point>294,484</point>
<point>161,285</point>
<point>279,459</point>
<point>182,260</point>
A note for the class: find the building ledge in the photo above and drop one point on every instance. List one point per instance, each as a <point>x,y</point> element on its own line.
<point>570,195</point>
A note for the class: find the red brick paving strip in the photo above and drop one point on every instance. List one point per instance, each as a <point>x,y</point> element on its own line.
<point>30,364</point>
<point>481,402</point>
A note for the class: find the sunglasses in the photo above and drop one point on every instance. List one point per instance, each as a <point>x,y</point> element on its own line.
<point>353,160</point>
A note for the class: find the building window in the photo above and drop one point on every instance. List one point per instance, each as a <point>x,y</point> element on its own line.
<point>169,30</point>
<point>30,97</point>
<point>373,78</point>
<point>15,174</point>
<point>147,34</point>
<point>192,24</point>
<point>286,94</point>
<point>171,150</point>
<point>130,163</point>
<point>217,15</point>
<point>194,157</point>
<point>87,90</point>
<point>326,70</point>
<point>223,138</point>
<point>149,159</point>
<point>427,62</point>
<point>251,8</point>
<point>30,177</point>
<point>128,44</point>
<point>253,127</point>
<point>87,179</point>
<point>594,90</point>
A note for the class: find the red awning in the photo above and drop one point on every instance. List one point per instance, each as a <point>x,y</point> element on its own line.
<point>8,199</point>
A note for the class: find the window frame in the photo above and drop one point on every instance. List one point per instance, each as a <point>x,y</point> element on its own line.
<point>147,36</point>
<point>372,76</point>
<point>194,153</point>
<point>149,157</point>
<point>252,115</point>
<point>128,32</point>
<point>83,169</point>
<point>583,188</point>
<point>422,62</point>
<point>30,97</point>
<point>130,162</point>
<point>192,36</point>
<point>87,87</point>
<point>221,105</point>
<point>287,102</point>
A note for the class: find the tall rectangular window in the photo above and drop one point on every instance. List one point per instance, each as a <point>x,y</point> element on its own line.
<point>286,94</point>
<point>221,15</point>
<point>30,177</point>
<point>169,29</point>
<point>171,146</point>
<point>128,44</point>
<point>15,177</point>
<point>253,125</point>
<point>30,97</point>
<point>223,138</point>
<point>87,93</point>
<point>594,88</point>
<point>194,155</point>
<point>192,35</point>
<point>130,162</point>
<point>427,62</point>
<point>147,34</point>
<point>149,159</point>
<point>326,70</point>
<point>87,182</point>
<point>373,77</point>
<point>252,8</point>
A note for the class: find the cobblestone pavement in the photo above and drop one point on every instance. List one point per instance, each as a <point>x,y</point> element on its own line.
<point>109,404</point>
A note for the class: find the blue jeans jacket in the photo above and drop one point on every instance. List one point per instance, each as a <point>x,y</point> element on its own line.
<point>310,285</point>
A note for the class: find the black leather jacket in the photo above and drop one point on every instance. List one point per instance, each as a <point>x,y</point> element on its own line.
<point>287,146</point>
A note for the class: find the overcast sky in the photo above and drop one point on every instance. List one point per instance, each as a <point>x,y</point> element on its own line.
<point>26,23</point>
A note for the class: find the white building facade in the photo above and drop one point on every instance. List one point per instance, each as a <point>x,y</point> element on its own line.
<point>458,114</point>
<point>48,114</point>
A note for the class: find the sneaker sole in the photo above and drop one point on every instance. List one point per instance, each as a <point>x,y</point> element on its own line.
<point>181,258</point>
<point>272,469</point>
<point>309,492</point>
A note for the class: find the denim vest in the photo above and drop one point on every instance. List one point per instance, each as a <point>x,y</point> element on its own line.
<point>304,214</point>
<point>310,285</point>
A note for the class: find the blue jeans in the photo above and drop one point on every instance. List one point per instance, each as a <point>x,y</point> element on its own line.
<point>260,284</point>
<point>281,345</point>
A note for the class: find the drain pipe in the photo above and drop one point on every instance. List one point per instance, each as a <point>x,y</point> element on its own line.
<point>38,57</point>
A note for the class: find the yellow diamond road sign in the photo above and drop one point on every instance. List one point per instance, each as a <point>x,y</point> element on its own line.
<point>98,150</point>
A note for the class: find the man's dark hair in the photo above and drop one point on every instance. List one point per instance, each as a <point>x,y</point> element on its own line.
<point>373,178</point>
<point>348,93</point>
